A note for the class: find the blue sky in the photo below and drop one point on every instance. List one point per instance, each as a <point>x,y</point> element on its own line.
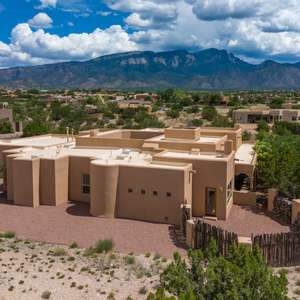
<point>47,31</point>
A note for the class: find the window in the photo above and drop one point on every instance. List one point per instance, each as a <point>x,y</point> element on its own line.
<point>169,194</point>
<point>155,193</point>
<point>85,184</point>
<point>143,192</point>
<point>130,191</point>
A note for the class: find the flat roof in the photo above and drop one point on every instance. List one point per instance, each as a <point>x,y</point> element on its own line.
<point>101,156</point>
<point>245,154</point>
<point>194,155</point>
<point>36,141</point>
<point>201,140</point>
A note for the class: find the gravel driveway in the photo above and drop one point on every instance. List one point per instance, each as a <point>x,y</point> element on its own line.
<point>72,222</point>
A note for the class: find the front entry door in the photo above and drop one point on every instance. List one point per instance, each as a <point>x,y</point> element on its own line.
<point>211,202</point>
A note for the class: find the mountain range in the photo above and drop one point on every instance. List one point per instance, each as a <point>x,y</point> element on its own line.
<point>209,69</point>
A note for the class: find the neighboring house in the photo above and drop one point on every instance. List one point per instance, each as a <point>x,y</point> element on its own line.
<point>248,116</point>
<point>6,114</point>
<point>138,174</point>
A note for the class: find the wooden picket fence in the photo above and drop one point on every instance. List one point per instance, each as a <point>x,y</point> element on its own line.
<point>279,250</point>
<point>205,233</point>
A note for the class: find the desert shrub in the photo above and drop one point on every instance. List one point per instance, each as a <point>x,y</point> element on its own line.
<point>46,295</point>
<point>7,234</point>
<point>73,245</point>
<point>104,246</point>
<point>129,260</point>
<point>143,290</point>
<point>243,274</point>
<point>58,251</point>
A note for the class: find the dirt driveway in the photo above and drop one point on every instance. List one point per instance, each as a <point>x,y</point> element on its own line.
<point>72,222</point>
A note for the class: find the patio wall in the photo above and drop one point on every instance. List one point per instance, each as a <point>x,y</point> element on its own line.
<point>244,198</point>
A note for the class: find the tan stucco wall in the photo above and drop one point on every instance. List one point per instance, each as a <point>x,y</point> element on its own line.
<point>208,147</point>
<point>182,133</point>
<point>149,207</point>
<point>244,198</point>
<point>104,187</point>
<point>109,142</point>
<point>54,181</point>
<point>209,174</point>
<point>77,167</point>
<point>26,182</point>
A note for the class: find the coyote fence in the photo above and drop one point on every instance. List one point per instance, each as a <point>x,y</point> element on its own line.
<point>279,250</point>
<point>204,233</point>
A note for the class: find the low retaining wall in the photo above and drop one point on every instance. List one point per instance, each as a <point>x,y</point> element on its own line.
<point>244,198</point>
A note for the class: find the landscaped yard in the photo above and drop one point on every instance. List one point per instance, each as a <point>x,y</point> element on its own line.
<point>33,270</point>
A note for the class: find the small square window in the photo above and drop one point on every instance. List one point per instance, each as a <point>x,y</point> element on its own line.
<point>169,194</point>
<point>155,193</point>
<point>130,191</point>
<point>143,192</point>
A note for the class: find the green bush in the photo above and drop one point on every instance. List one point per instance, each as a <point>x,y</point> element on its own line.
<point>58,251</point>
<point>246,136</point>
<point>129,260</point>
<point>7,234</point>
<point>206,275</point>
<point>104,246</point>
<point>209,113</point>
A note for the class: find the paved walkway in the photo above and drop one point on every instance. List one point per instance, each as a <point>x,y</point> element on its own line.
<point>72,222</point>
<point>245,220</point>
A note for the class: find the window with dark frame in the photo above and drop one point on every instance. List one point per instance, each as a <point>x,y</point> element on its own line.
<point>143,192</point>
<point>169,194</point>
<point>130,191</point>
<point>155,193</point>
<point>85,184</point>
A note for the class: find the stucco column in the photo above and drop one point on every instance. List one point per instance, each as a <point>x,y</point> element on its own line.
<point>272,193</point>
<point>104,187</point>
<point>295,210</point>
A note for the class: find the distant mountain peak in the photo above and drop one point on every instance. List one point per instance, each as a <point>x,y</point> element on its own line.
<point>207,69</point>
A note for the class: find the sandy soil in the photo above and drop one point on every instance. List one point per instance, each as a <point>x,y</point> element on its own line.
<point>30,270</point>
<point>293,275</point>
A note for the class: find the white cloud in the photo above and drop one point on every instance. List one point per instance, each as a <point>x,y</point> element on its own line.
<point>36,47</point>
<point>223,9</point>
<point>47,3</point>
<point>147,13</point>
<point>41,20</point>
<point>255,29</point>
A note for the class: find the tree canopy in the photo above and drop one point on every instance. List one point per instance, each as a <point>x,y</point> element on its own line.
<point>206,275</point>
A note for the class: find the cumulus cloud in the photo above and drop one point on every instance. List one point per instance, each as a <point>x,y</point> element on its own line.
<point>41,20</point>
<point>147,13</point>
<point>47,3</point>
<point>36,47</point>
<point>253,29</point>
<point>223,9</point>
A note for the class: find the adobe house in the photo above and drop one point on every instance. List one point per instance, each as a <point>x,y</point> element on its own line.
<point>138,174</point>
<point>254,115</point>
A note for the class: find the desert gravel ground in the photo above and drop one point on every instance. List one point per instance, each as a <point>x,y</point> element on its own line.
<point>34,270</point>
<point>72,222</point>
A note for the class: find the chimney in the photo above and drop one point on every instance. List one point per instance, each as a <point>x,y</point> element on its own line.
<point>228,147</point>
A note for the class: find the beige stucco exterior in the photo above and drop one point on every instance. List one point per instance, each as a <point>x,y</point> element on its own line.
<point>144,175</point>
